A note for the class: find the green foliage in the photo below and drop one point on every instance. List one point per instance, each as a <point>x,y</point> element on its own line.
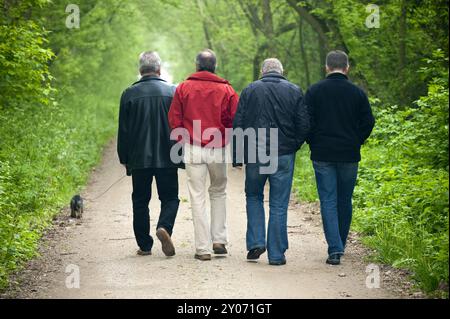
<point>304,183</point>
<point>390,56</point>
<point>402,198</point>
<point>44,159</point>
<point>23,64</point>
<point>47,150</point>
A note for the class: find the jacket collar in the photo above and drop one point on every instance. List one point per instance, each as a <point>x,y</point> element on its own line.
<point>207,76</point>
<point>337,76</point>
<point>273,75</point>
<point>149,78</point>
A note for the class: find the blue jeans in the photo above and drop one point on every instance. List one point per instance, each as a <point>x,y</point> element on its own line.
<point>335,185</point>
<point>280,191</point>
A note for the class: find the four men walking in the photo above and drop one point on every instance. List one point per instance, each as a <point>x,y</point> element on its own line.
<point>267,126</point>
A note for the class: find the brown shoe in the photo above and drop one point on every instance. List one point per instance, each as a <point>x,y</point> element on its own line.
<point>144,253</point>
<point>205,257</point>
<point>166,242</point>
<point>219,249</point>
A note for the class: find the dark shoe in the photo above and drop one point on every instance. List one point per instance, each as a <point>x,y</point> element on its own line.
<point>277,263</point>
<point>205,257</point>
<point>220,249</point>
<point>254,253</point>
<point>166,242</point>
<point>334,259</point>
<point>144,253</point>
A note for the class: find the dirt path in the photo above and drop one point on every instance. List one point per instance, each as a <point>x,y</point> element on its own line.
<point>103,247</point>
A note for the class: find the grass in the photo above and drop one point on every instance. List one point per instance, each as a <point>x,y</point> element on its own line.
<point>304,183</point>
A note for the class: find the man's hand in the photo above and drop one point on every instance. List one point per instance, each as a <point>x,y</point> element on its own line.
<point>127,169</point>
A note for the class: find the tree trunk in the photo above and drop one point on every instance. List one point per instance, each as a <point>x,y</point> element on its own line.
<point>205,25</point>
<point>257,60</point>
<point>402,35</point>
<point>304,53</point>
<point>268,30</point>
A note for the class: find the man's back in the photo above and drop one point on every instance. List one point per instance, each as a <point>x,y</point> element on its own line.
<point>274,102</point>
<point>341,117</point>
<point>144,133</point>
<point>207,98</point>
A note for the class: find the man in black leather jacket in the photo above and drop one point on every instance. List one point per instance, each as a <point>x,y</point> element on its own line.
<point>144,149</point>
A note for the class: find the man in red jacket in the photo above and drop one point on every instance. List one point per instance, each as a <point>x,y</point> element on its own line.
<point>204,106</point>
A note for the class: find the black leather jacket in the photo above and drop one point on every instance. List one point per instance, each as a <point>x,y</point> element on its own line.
<point>144,132</point>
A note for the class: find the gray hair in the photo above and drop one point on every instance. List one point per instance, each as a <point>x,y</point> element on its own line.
<point>272,65</point>
<point>149,62</point>
<point>337,60</point>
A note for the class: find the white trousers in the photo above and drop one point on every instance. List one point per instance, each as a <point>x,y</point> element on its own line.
<point>208,229</point>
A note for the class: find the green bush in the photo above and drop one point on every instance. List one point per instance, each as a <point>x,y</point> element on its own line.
<point>45,157</point>
<point>402,197</point>
<point>24,57</point>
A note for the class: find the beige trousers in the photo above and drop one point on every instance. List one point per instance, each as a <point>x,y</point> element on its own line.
<point>208,229</point>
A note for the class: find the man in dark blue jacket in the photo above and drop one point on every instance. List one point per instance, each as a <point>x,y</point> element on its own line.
<point>144,149</point>
<point>270,105</point>
<point>342,120</point>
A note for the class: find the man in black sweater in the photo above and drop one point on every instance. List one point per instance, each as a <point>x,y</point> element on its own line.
<point>342,120</point>
<point>144,147</point>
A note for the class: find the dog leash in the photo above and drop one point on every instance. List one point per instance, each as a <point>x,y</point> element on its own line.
<point>108,189</point>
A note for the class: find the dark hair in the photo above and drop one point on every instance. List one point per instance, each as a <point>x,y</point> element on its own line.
<point>337,60</point>
<point>206,61</point>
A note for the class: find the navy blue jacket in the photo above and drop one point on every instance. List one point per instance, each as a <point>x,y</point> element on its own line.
<point>341,119</point>
<point>274,102</point>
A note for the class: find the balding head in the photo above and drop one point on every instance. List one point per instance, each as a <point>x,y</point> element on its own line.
<point>272,65</point>
<point>206,61</point>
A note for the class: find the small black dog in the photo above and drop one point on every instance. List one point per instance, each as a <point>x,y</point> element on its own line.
<point>76,207</point>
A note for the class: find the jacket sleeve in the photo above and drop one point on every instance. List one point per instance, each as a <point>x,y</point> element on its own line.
<point>309,105</point>
<point>238,123</point>
<point>302,120</point>
<point>229,111</point>
<point>366,119</point>
<point>122,136</point>
<point>176,110</point>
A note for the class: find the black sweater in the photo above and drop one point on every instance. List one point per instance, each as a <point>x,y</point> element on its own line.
<point>341,119</point>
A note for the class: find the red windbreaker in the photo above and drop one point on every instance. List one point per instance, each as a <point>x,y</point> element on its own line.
<point>206,97</point>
